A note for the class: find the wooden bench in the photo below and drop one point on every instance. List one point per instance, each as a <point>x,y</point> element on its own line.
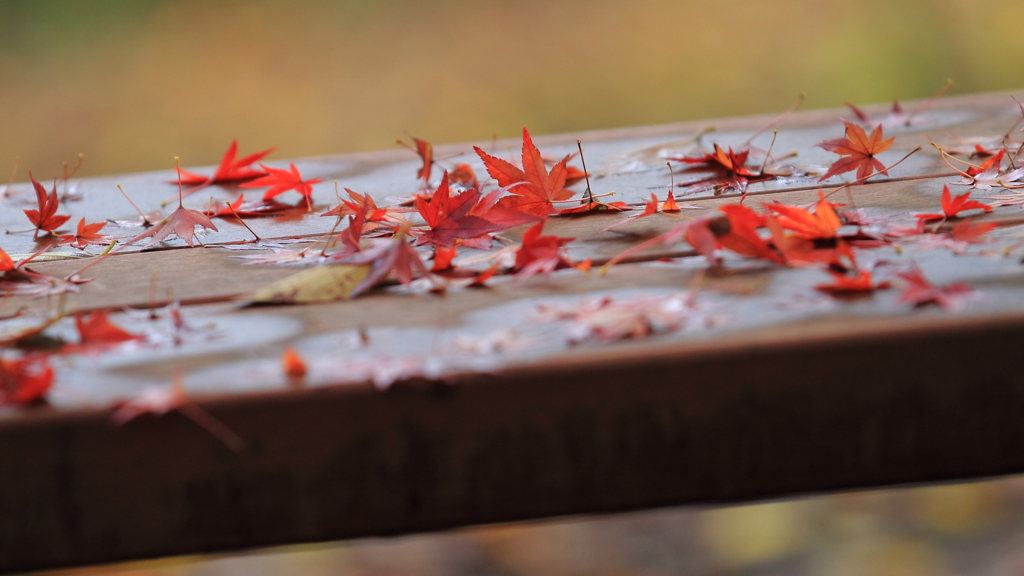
<point>481,411</point>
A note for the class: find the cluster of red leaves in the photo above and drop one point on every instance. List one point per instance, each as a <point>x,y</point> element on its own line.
<point>468,217</point>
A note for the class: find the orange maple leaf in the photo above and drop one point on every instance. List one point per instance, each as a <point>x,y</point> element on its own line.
<point>6,262</point>
<point>534,188</point>
<point>822,223</point>
<point>86,234</point>
<point>858,152</point>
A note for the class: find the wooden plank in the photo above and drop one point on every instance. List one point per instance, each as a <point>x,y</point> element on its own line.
<point>498,412</point>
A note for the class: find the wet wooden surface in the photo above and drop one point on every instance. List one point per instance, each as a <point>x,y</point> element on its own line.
<point>425,411</point>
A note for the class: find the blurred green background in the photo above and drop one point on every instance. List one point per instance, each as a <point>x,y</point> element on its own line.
<point>132,83</point>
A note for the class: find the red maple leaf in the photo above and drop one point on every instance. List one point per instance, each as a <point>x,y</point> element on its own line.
<point>86,234</point>
<point>449,216</point>
<point>372,216</point>
<point>919,292</point>
<point>25,380</point>
<point>281,181</point>
<point>45,219</point>
<point>843,285</point>
<point>97,333</point>
<point>540,254</point>
<point>230,170</point>
<point>858,152</point>
<point>534,188</point>
<point>426,153</point>
<point>952,206</point>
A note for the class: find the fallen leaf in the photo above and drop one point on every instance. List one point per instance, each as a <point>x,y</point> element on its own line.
<point>534,188</point>
<point>608,319</point>
<point>229,170</point>
<point>325,283</point>
<point>242,208</point>
<point>281,181</point>
<point>96,333</point>
<point>87,234</point>
<point>822,223</point>
<point>729,167</point>
<point>449,217</point>
<point>426,153</point>
<point>540,254</point>
<point>952,206</point>
<point>25,380</point>
<point>6,263</point>
<point>45,218</point>
<point>182,223</point>
<point>858,152</point>
<point>919,292</point>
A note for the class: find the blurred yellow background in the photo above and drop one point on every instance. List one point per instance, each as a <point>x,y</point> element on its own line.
<point>134,83</point>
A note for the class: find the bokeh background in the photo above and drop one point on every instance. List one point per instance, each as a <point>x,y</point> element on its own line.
<point>133,83</point>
